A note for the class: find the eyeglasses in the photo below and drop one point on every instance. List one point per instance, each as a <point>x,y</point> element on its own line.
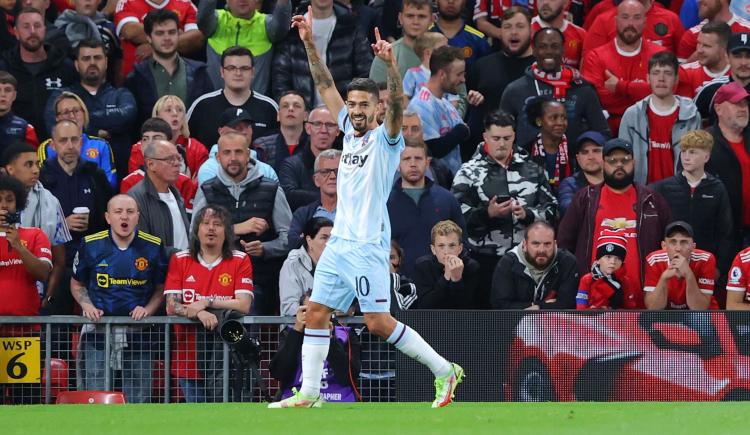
<point>171,159</point>
<point>326,172</point>
<point>319,124</point>
<point>69,112</point>
<point>232,68</point>
<point>618,160</point>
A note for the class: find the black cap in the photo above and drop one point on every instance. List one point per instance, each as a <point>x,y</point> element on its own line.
<point>680,226</point>
<point>233,116</point>
<point>591,136</point>
<point>617,144</point>
<point>738,41</point>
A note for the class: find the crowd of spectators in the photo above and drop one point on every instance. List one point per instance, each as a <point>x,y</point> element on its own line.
<point>558,155</point>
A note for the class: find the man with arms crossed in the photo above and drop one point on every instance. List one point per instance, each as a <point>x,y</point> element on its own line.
<point>356,256</point>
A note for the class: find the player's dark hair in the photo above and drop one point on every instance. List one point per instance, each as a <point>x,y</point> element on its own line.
<point>537,107</point>
<point>11,184</point>
<point>515,10</point>
<point>89,43</point>
<point>548,30</point>
<point>226,219</point>
<point>537,224</point>
<point>720,29</point>
<point>7,78</point>
<point>237,51</point>
<point>443,57</point>
<point>365,85</point>
<point>159,16</point>
<point>500,119</point>
<point>664,58</point>
<point>14,150</point>
<point>157,125</point>
<point>294,92</point>
<point>313,227</point>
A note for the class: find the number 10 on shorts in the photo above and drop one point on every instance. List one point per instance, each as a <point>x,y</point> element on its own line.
<point>362,286</point>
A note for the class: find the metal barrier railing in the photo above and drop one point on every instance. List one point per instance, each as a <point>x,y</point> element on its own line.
<point>159,359</point>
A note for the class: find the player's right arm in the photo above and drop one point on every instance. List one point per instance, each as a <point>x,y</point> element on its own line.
<point>321,76</point>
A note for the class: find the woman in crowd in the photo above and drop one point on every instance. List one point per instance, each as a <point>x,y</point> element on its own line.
<point>550,148</point>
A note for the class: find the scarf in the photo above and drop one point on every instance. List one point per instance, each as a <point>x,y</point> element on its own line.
<point>561,163</point>
<point>79,27</point>
<point>615,292</point>
<point>559,81</point>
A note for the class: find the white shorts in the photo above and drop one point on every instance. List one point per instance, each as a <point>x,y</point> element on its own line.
<point>349,269</point>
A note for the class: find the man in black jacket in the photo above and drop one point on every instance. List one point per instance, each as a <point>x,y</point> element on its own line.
<point>76,183</point>
<point>39,69</point>
<point>449,278</point>
<point>344,49</point>
<point>548,76</point>
<point>536,274</point>
<point>730,156</point>
<point>701,200</point>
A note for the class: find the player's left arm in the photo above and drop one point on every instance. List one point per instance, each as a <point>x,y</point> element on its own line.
<point>395,111</point>
<point>695,298</point>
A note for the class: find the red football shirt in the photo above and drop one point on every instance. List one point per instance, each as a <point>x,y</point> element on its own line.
<point>617,212</point>
<point>630,68</point>
<point>574,37</point>
<point>196,280</point>
<point>689,40</point>
<point>17,288</point>
<point>739,274</point>
<point>663,27</point>
<point>703,265</point>
<point>693,76</point>
<point>739,150</point>
<point>133,11</point>
<point>660,155</point>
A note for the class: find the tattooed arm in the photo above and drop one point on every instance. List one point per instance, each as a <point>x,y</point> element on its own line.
<point>81,295</point>
<point>395,111</point>
<point>320,74</point>
<point>175,306</point>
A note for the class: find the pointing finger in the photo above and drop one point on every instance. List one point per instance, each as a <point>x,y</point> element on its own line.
<point>377,35</point>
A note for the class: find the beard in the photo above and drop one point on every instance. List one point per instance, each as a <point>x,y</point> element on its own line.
<point>618,183</point>
<point>447,16</point>
<point>537,265</point>
<point>552,15</point>
<point>32,45</point>
<point>629,35</point>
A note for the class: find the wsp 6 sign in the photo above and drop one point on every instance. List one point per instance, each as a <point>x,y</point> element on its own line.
<point>20,360</point>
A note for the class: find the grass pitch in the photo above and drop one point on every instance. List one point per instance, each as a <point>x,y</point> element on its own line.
<point>380,419</point>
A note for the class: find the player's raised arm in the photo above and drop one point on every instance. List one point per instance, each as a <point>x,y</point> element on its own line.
<point>395,110</point>
<point>321,76</point>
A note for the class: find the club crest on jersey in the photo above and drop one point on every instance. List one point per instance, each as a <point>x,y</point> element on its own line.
<point>225,279</point>
<point>141,263</point>
<point>92,153</point>
<point>354,160</point>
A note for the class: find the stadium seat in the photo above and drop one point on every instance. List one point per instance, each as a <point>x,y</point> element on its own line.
<point>58,376</point>
<point>90,397</point>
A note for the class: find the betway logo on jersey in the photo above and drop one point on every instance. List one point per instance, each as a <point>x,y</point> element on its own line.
<point>353,160</point>
<point>103,280</point>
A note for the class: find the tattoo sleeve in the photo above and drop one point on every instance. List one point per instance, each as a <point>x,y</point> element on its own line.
<point>395,110</point>
<point>320,74</point>
<point>81,295</point>
<point>174,304</point>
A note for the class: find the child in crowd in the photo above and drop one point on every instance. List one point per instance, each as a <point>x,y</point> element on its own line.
<point>607,285</point>
<point>416,77</point>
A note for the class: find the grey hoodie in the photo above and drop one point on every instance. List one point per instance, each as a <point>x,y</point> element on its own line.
<point>634,128</point>
<point>282,214</point>
<point>295,279</point>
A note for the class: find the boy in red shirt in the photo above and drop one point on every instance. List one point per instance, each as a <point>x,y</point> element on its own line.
<point>679,276</point>
<point>607,285</point>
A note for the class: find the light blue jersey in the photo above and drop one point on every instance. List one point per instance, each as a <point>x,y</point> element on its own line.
<point>366,171</point>
<point>438,117</point>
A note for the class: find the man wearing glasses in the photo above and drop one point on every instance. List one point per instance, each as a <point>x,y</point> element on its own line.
<point>162,210</point>
<point>296,173</point>
<point>618,204</point>
<point>237,72</point>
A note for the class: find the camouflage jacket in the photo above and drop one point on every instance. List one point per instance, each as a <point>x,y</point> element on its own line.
<point>481,178</point>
